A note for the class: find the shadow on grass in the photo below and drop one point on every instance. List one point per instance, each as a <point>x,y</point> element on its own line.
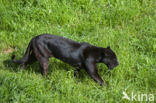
<point>53,65</point>
<point>56,65</point>
<point>59,65</point>
<point>9,65</point>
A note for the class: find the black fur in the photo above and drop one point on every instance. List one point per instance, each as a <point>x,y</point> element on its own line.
<point>82,55</point>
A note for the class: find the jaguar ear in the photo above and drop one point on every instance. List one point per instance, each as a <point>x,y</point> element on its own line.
<point>108,47</point>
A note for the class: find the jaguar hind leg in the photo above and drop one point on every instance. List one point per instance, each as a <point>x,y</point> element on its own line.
<point>31,60</point>
<point>44,63</point>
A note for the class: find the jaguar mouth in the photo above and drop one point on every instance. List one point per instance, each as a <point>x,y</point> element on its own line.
<point>112,66</point>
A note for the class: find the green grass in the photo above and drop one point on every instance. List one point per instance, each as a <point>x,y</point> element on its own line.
<point>128,26</point>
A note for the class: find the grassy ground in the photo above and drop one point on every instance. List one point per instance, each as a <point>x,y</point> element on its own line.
<point>128,26</point>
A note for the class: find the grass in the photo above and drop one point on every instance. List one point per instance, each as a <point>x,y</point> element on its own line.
<point>128,26</point>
